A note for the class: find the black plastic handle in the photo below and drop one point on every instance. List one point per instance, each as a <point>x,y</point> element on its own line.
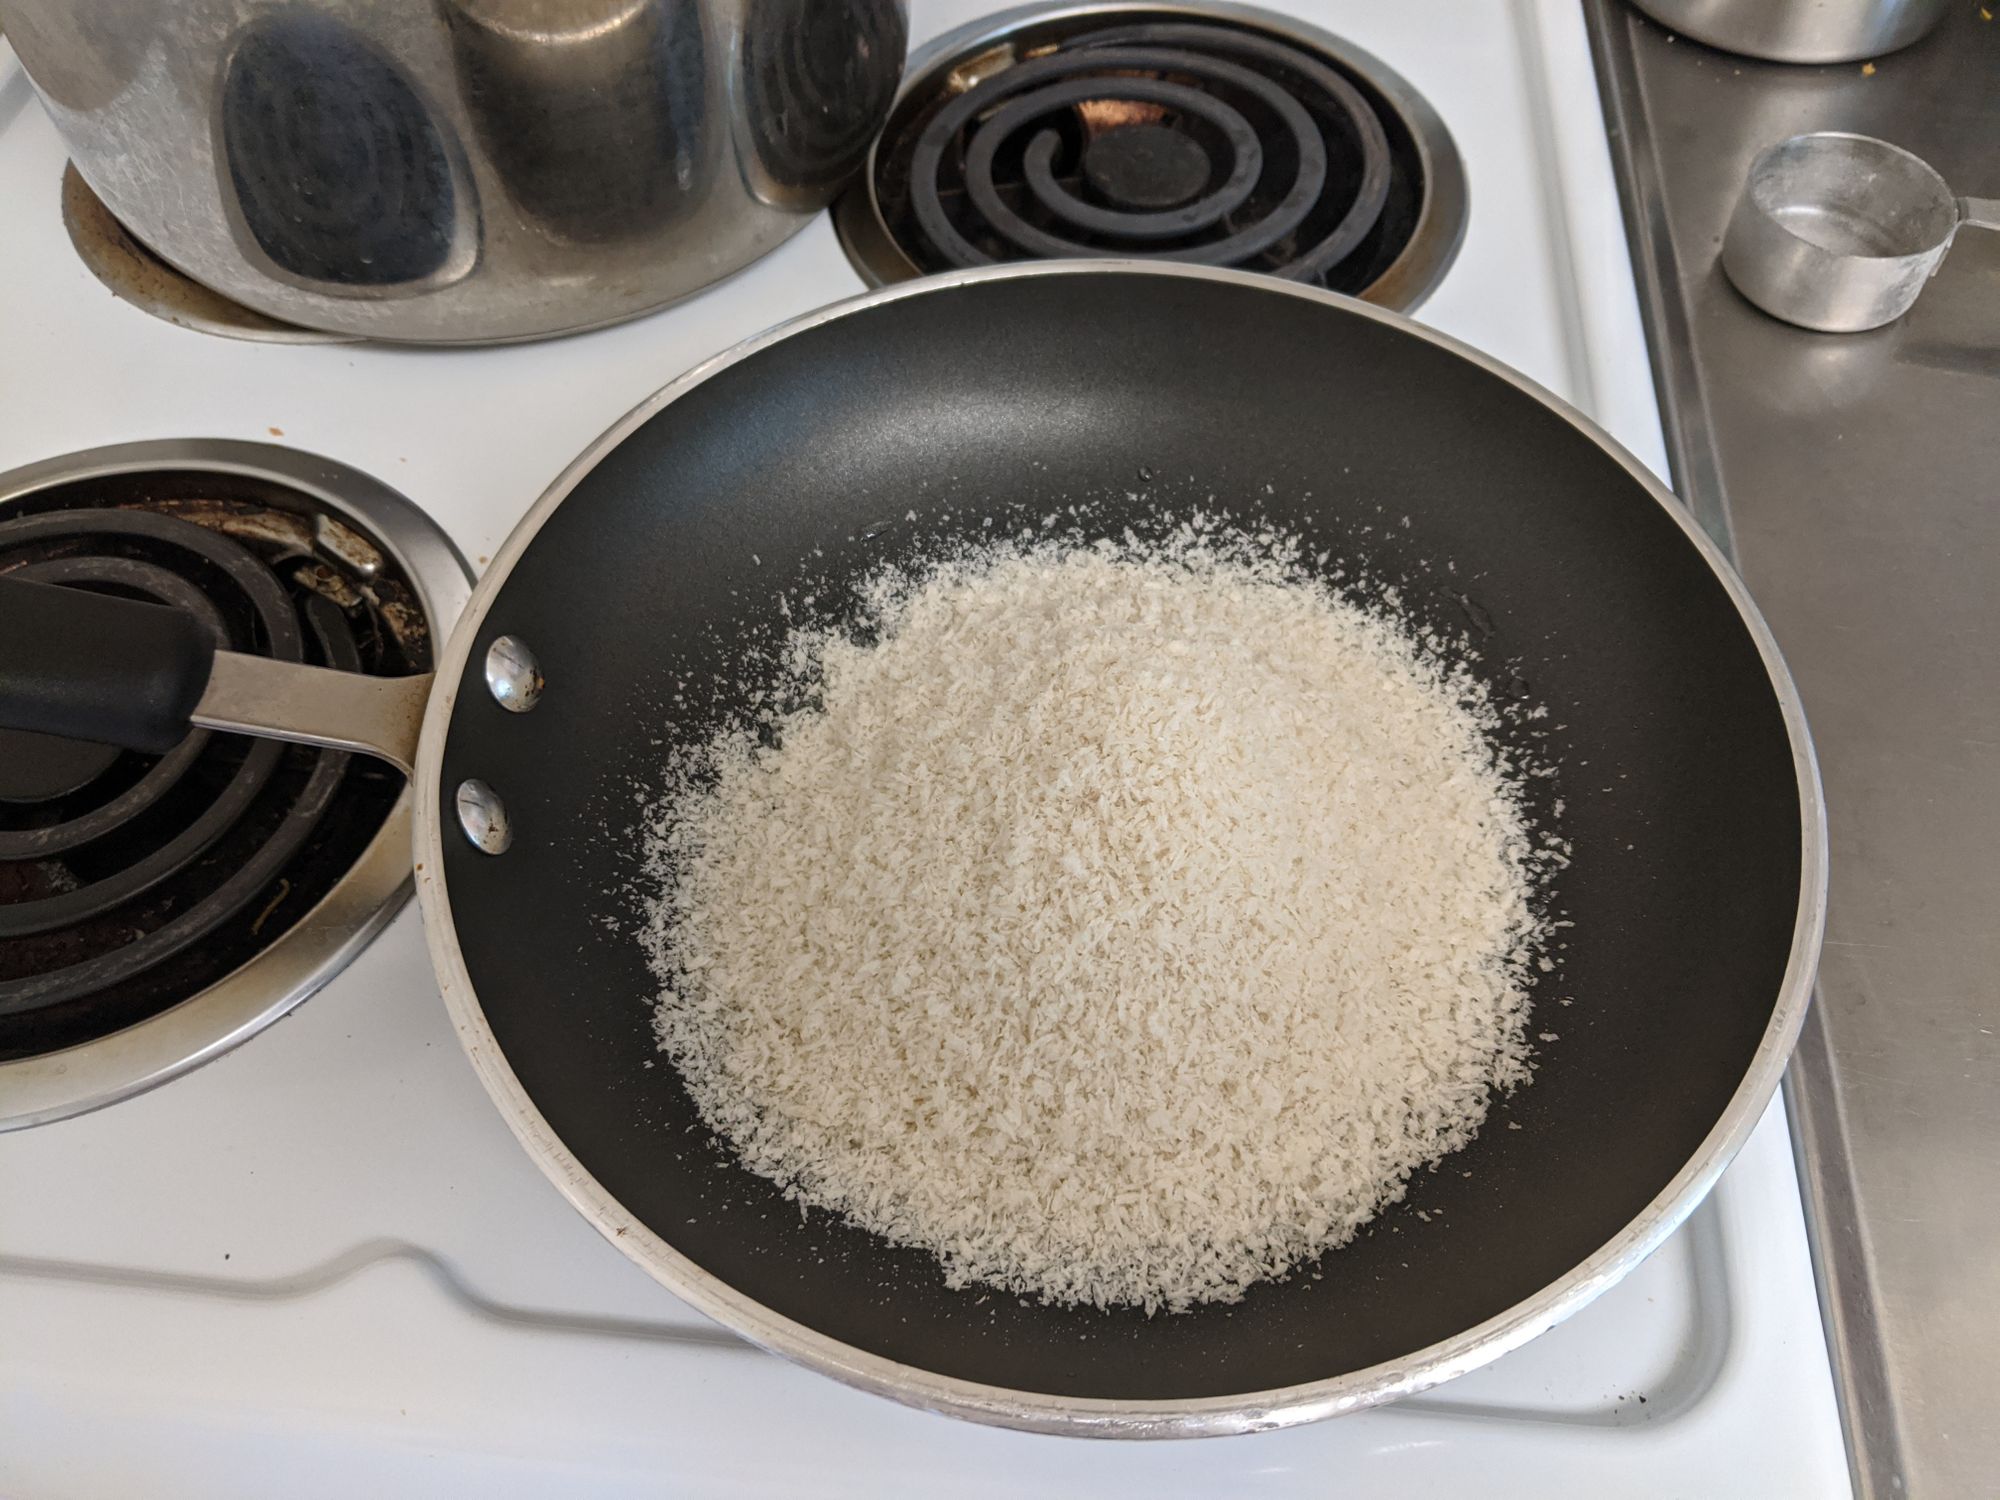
<point>95,667</point>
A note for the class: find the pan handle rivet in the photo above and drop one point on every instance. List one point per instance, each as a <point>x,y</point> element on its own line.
<point>513,676</point>
<point>483,818</point>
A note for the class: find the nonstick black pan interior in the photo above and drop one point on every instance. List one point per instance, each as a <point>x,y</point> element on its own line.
<point>1005,399</point>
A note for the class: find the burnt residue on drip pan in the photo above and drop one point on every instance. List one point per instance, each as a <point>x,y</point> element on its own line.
<point>157,909</point>
<point>136,275</point>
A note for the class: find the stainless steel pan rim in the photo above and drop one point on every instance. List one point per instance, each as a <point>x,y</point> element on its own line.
<point>1253,1411</point>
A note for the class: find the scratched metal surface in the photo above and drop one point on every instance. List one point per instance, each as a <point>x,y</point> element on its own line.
<point>1860,477</point>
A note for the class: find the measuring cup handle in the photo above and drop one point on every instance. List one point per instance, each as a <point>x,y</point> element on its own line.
<point>1979,213</point>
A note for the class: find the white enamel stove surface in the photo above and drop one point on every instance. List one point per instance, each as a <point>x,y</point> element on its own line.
<point>322,1267</point>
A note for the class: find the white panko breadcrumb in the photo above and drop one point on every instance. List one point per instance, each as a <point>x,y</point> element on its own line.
<point>1121,923</point>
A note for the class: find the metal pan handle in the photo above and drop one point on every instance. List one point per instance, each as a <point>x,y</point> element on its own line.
<point>89,666</point>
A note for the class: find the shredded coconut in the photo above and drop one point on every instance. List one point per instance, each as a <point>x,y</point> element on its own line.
<point>1123,923</point>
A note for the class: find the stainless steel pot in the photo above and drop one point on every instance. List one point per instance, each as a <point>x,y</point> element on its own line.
<point>462,171</point>
<point>1800,31</point>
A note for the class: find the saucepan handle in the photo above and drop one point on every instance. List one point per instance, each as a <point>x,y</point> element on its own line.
<point>93,667</point>
<point>90,666</point>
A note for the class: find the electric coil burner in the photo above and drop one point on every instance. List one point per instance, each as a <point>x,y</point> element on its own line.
<point>1218,134</point>
<point>154,909</point>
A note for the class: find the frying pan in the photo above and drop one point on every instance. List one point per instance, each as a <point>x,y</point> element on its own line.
<point>934,411</point>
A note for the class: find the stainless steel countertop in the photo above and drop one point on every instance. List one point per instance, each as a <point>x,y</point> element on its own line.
<point>1858,479</point>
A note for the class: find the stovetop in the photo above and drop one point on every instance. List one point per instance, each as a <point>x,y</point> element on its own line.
<point>1878,584</point>
<point>320,1265</point>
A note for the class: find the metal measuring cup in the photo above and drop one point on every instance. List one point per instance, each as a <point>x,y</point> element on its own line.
<point>1839,232</point>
